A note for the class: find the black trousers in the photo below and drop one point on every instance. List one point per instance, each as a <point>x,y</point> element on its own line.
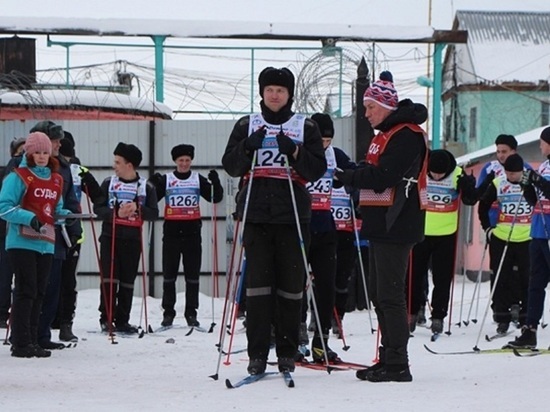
<point>188,250</point>
<point>275,276</point>
<point>116,295</point>
<point>512,286</point>
<point>441,251</point>
<point>346,257</point>
<point>67,297</point>
<point>32,270</point>
<point>322,259</point>
<point>388,272</point>
<point>356,291</point>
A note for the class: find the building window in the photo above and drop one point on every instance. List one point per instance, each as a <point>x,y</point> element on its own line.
<point>473,123</point>
<point>448,122</point>
<point>545,114</point>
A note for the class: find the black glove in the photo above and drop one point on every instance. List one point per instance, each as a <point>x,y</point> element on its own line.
<point>344,176</point>
<point>35,224</point>
<point>530,177</point>
<point>213,176</point>
<point>156,179</point>
<point>90,185</point>
<point>466,182</point>
<point>255,140</point>
<point>286,144</point>
<point>488,234</point>
<point>486,182</point>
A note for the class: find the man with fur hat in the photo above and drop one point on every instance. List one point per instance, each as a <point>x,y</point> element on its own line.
<point>448,185</point>
<point>276,152</point>
<point>182,190</point>
<point>392,198</point>
<point>74,231</point>
<point>128,201</point>
<point>536,189</point>
<point>511,233</point>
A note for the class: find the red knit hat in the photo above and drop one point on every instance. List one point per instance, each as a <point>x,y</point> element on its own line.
<point>383,92</point>
<point>38,142</point>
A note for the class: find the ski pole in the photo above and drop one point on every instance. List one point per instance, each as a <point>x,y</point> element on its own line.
<point>245,212</point>
<point>361,266</point>
<point>144,290</point>
<point>214,256</point>
<point>464,249</point>
<point>235,311</point>
<point>497,275</point>
<point>476,287</point>
<point>98,259</point>
<point>309,289</point>
<point>341,329</point>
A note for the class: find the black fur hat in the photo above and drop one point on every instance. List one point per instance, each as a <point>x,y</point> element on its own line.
<point>279,77</point>
<point>545,135</point>
<point>183,150</point>
<point>326,126</point>
<point>54,131</point>
<point>130,152</point>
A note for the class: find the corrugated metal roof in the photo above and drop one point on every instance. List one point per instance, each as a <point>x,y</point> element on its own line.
<point>496,26</point>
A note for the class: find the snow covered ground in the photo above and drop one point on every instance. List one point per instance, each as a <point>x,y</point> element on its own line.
<point>152,374</point>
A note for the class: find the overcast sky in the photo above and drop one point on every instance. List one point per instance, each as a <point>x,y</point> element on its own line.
<point>392,12</point>
<point>194,81</point>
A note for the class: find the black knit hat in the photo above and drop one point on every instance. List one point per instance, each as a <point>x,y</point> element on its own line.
<point>439,161</point>
<point>545,135</point>
<point>279,77</point>
<point>513,163</point>
<point>325,124</point>
<point>508,140</point>
<point>67,147</point>
<point>183,150</point>
<point>130,152</point>
<point>54,131</point>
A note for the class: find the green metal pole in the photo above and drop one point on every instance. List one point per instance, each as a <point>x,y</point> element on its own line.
<point>436,111</point>
<point>159,67</point>
<point>252,57</point>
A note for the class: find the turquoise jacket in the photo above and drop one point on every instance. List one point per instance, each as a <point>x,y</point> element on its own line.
<point>11,196</point>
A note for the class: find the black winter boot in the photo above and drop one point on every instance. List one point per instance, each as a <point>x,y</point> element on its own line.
<point>286,364</point>
<point>318,352</point>
<point>256,366</point>
<point>527,340</point>
<point>391,373</point>
<point>66,333</point>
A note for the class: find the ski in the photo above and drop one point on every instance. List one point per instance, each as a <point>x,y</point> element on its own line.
<point>496,336</point>
<point>289,381</point>
<point>435,336</point>
<point>528,353</point>
<point>247,380</point>
<point>469,352</point>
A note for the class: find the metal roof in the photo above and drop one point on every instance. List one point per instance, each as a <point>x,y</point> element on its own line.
<point>496,26</point>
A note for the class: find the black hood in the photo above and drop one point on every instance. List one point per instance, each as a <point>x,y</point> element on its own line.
<point>407,112</point>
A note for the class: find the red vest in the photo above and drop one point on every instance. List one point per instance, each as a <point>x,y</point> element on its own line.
<point>368,197</point>
<point>41,196</point>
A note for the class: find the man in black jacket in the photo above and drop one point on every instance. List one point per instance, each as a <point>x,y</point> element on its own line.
<point>277,151</point>
<point>129,200</point>
<point>392,187</point>
<point>181,241</point>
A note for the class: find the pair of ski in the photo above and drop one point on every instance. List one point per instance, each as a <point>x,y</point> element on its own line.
<point>191,329</point>
<point>287,376</point>
<point>520,352</point>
